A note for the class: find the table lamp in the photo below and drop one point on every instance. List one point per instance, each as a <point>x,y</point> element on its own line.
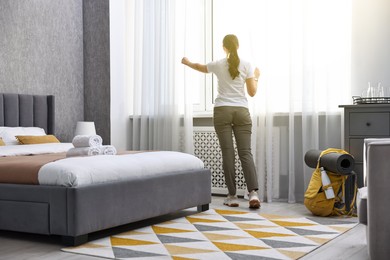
<point>85,128</point>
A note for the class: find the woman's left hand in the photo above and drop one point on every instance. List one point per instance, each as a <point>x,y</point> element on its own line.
<point>257,73</point>
<point>185,61</point>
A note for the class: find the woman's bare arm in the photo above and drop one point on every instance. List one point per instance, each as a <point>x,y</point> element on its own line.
<point>195,66</point>
<point>251,83</point>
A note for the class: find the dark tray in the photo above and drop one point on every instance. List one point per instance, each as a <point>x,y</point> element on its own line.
<point>370,100</point>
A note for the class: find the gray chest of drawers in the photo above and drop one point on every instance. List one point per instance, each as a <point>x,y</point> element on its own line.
<point>364,121</point>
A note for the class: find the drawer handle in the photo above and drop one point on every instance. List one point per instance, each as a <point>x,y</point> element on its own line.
<point>368,124</point>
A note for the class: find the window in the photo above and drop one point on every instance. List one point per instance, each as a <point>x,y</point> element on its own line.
<point>293,42</point>
<point>196,21</point>
<point>221,17</point>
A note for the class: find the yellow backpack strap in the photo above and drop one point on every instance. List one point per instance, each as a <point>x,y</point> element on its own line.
<point>331,150</point>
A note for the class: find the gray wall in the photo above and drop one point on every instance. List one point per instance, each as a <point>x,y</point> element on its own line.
<point>47,48</point>
<point>97,65</point>
<point>41,50</point>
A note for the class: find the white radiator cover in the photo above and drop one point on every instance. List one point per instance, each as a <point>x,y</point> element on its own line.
<point>206,148</point>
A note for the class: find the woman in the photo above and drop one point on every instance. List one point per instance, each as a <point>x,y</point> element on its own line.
<point>231,114</point>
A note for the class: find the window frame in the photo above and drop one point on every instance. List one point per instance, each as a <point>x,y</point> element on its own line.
<point>206,92</point>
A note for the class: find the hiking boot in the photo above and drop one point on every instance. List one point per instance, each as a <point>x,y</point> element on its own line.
<point>254,201</point>
<point>231,201</point>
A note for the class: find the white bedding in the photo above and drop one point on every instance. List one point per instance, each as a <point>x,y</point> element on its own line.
<point>30,149</point>
<point>80,171</point>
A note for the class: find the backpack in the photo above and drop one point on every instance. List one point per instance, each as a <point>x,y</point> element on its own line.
<point>315,199</point>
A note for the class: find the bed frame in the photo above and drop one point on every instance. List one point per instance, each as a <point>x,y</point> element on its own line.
<point>74,212</point>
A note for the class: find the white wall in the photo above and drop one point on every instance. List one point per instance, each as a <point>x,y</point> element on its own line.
<point>370,44</point>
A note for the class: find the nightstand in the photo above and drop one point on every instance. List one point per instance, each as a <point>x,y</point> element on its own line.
<point>364,121</point>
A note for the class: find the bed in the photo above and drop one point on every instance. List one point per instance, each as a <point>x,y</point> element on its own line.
<point>74,212</point>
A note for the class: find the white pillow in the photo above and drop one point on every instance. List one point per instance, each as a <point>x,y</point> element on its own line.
<point>8,133</point>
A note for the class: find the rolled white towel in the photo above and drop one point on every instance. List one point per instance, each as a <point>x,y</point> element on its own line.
<point>83,151</point>
<point>108,150</point>
<point>87,141</point>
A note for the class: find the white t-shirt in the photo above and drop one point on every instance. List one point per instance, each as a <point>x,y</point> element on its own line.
<point>231,92</point>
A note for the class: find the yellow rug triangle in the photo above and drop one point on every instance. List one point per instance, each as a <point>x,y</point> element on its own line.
<point>292,224</point>
<point>340,229</point>
<point>181,250</point>
<point>292,254</point>
<point>205,213</point>
<point>272,216</point>
<point>229,212</point>
<point>318,240</point>
<point>214,237</point>
<point>236,247</point>
<point>195,220</point>
<point>250,226</point>
<point>164,230</point>
<point>117,241</point>
<point>261,234</point>
<point>182,258</point>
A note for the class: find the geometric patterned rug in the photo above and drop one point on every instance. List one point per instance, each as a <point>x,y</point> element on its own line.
<point>220,234</point>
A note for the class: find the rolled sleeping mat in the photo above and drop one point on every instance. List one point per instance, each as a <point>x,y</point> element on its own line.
<point>334,162</point>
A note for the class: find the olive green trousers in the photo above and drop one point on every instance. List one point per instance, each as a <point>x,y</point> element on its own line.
<point>229,120</point>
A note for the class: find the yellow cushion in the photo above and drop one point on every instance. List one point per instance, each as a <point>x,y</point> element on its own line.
<point>1,142</point>
<point>37,139</point>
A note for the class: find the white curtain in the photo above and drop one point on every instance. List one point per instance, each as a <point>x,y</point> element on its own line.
<point>161,106</point>
<point>303,50</point>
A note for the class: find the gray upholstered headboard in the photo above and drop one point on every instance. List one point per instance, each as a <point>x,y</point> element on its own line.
<point>27,110</point>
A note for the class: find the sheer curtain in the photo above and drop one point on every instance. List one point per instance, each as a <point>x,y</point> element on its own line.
<point>161,105</point>
<point>303,50</point>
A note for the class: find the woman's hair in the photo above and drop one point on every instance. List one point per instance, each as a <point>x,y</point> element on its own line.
<point>230,42</point>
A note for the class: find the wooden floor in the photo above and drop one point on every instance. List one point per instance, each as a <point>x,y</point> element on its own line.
<point>351,245</point>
